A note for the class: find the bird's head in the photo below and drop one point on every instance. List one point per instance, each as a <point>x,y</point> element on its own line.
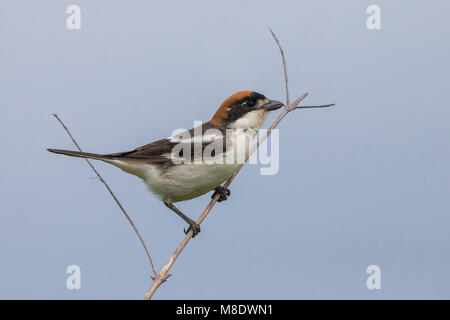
<point>244,109</point>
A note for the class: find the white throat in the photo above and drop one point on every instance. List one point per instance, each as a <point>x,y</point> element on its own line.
<point>251,121</point>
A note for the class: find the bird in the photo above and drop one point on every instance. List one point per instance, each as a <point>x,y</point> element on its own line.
<point>194,162</point>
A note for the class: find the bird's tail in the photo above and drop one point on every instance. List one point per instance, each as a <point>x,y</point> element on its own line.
<point>82,154</point>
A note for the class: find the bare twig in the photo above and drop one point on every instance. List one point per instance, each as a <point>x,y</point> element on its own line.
<point>310,107</point>
<point>286,82</point>
<point>113,196</point>
<point>163,275</point>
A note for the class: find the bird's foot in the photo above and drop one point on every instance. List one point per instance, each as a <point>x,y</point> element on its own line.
<point>194,226</point>
<point>223,192</point>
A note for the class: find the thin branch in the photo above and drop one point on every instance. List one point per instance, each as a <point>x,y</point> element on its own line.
<point>112,195</point>
<point>163,275</point>
<point>296,102</point>
<point>286,82</point>
<point>311,107</point>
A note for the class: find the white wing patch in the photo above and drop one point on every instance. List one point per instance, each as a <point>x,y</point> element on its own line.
<point>209,136</point>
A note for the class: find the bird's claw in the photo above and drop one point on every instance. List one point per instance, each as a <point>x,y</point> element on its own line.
<point>223,192</point>
<point>195,227</point>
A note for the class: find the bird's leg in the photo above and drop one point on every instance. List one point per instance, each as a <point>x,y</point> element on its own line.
<point>224,193</point>
<point>194,226</point>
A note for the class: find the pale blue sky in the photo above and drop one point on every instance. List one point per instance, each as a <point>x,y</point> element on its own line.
<point>366,182</point>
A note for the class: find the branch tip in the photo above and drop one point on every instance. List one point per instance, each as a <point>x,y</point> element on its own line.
<point>319,106</point>
<point>283,58</point>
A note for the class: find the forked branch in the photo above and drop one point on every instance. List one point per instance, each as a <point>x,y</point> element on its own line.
<point>163,275</point>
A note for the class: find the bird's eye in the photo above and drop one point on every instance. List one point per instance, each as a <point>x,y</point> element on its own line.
<point>251,102</point>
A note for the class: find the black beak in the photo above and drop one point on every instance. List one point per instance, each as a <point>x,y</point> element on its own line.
<point>273,105</point>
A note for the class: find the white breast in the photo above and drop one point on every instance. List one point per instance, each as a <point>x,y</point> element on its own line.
<point>187,181</point>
